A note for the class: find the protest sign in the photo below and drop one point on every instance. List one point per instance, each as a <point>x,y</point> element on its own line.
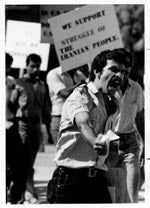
<point>81,34</point>
<point>23,38</point>
<point>49,11</point>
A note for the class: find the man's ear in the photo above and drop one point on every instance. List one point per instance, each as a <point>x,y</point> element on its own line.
<point>97,74</point>
<point>129,69</point>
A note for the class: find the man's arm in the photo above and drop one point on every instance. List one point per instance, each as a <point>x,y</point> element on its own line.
<point>13,97</point>
<point>46,113</point>
<point>83,123</point>
<point>140,123</point>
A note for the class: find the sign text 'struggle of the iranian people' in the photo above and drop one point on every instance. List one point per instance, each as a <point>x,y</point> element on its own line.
<point>81,34</point>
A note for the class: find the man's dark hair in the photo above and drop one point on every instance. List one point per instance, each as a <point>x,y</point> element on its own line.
<point>119,55</point>
<point>8,59</point>
<point>98,64</point>
<point>33,57</point>
<point>123,57</point>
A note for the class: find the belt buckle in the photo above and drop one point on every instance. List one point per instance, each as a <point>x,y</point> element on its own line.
<point>92,172</point>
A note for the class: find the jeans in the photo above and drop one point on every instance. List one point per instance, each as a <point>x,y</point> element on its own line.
<point>16,171</point>
<point>30,133</point>
<point>125,153</point>
<point>70,185</point>
<point>54,128</point>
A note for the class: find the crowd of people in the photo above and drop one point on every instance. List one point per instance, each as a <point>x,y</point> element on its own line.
<point>82,109</point>
<point>27,106</point>
<point>131,23</point>
<point>78,109</point>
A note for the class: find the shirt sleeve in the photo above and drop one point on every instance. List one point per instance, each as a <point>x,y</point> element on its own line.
<point>77,102</point>
<point>140,99</point>
<point>55,82</point>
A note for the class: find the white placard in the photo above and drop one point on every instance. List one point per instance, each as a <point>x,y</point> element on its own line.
<point>50,11</point>
<point>22,39</point>
<point>81,34</point>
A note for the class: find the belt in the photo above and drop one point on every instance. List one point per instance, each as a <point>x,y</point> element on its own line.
<point>116,145</point>
<point>29,120</point>
<point>90,172</point>
<point>126,136</point>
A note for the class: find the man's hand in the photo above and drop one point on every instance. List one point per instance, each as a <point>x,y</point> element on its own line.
<point>100,146</point>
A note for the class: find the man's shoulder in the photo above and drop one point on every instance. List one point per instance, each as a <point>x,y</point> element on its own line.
<point>55,71</point>
<point>79,97</point>
<point>21,80</point>
<point>80,93</point>
<point>10,81</point>
<point>135,91</point>
<point>135,85</point>
<point>82,89</point>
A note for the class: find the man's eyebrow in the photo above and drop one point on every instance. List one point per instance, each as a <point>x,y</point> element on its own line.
<point>34,64</point>
<point>113,68</point>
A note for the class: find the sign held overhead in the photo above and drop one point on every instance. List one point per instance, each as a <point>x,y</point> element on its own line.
<point>24,40</point>
<point>81,34</point>
<point>50,11</point>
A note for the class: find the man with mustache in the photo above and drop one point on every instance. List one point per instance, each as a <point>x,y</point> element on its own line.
<point>126,152</point>
<point>79,176</point>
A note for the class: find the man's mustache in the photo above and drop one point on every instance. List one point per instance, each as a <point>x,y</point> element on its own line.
<point>115,82</point>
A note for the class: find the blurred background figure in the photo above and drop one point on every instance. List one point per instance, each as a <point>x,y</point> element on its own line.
<point>60,85</point>
<point>32,106</point>
<point>126,152</point>
<point>15,160</point>
<point>132,26</point>
<point>131,22</point>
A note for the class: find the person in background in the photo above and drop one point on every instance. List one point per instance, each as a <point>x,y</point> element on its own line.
<point>79,176</point>
<point>16,175</point>
<point>32,103</point>
<point>60,85</point>
<point>127,151</point>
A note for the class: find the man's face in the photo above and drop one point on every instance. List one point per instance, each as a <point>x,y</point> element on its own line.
<point>33,69</point>
<point>113,75</point>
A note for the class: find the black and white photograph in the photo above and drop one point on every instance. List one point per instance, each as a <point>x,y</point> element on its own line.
<point>75,86</point>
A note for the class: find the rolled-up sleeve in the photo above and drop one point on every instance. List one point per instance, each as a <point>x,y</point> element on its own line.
<point>55,82</point>
<point>76,103</point>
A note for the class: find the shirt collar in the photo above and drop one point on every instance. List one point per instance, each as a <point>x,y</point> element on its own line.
<point>26,77</point>
<point>129,83</point>
<point>92,87</point>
